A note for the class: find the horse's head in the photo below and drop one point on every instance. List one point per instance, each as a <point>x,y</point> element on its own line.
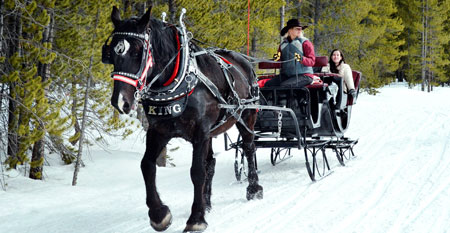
<point>130,53</point>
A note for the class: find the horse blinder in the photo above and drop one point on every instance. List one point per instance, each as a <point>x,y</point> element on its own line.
<point>106,55</point>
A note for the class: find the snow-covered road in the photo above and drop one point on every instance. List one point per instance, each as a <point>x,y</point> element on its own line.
<point>399,182</point>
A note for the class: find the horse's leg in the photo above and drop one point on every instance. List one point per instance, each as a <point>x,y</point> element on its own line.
<point>248,146</point>
<point>200,146</point>
<point>210,164</point>
<point>160,216</point>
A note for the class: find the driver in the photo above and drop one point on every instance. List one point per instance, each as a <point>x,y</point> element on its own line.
<point>297,54</point>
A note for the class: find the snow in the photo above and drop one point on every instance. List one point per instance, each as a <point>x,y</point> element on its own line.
<point>399,181</point>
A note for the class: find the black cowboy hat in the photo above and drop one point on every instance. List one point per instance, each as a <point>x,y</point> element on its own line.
<point>290,24</point>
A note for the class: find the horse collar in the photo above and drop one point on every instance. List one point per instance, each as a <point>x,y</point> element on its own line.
<point>175,83</point>
<point>177,60</point>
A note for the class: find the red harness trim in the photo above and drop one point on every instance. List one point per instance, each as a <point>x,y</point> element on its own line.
<point>177,64</point>
<point>125,80</point>
<point>226,61</point>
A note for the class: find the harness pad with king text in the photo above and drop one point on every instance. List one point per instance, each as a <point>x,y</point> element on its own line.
<point>169,104</point>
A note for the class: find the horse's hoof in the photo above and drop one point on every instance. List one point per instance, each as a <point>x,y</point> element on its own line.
<point>198,227</point>
<point>255,191</point>
<point>164,223</point>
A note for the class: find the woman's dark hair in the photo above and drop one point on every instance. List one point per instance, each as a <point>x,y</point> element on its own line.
<point>333,67</point>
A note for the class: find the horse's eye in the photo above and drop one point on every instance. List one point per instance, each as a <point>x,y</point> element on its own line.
<point>136,53</point>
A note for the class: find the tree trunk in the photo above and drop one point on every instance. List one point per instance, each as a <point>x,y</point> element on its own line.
<point>172,11</point>
<point>2,91</point>
<point>73,109</point>
<point>86,96</point>
<point>282,13</point>
<point>424,42</point>
<point>432,79</point>
<point>126,5</point>
<point>57,143</point>
<point>254,45</point>
<point>316,22</point>
<point>12,127</point>
<point>298,6</point>
<point>3,125</point>
<point>15,29</point>
<point>37,158</point>
<point>83,123</point>
<point>2,3</point>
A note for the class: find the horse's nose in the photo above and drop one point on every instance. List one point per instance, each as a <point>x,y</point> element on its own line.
<point>126,107</point>
<point>123,104</point>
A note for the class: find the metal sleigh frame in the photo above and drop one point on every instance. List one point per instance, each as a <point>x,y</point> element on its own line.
<point>315,136</point>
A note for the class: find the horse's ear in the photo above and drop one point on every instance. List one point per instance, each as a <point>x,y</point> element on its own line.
<point>115,16</point>
<point>144,21</point>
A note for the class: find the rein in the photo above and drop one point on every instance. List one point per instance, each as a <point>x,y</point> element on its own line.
<point>258,60</point>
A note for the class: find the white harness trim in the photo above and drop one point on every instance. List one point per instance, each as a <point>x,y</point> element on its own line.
<point>122,47</point>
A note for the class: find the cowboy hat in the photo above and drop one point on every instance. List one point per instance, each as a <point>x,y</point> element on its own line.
<point>290,24</point>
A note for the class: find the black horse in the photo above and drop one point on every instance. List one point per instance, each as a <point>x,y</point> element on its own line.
<point>148,57</point>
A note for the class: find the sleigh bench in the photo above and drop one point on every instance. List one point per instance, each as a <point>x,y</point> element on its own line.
<point>327,78</point>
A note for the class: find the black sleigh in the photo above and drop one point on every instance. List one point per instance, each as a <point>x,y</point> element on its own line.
<point>312,118</point>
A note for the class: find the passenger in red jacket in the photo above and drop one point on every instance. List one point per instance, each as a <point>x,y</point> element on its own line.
<point>296,53</point>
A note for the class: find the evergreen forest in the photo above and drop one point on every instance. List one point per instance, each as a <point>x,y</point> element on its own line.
<point>55,91</point>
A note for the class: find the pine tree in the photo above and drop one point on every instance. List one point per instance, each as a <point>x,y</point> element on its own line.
<point>37,158</point>
<point>12,27</point>
<point>408,11</point>
<point>425,58</point>
<point>81,59</point>
<point>264,27</point>
<point>435,13</point>
<point>445,79</point>
<point>368,34</point>
<point>223,24</point>
<point>33,116</point>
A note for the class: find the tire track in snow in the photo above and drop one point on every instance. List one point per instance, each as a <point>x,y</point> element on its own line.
<point>242,207</point>
<point>257,220</point>
<point>406,218</point>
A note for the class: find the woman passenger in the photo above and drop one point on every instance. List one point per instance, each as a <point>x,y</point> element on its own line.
<point>337,65</point>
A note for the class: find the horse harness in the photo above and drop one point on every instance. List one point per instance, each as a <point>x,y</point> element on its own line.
<point>170,100</point>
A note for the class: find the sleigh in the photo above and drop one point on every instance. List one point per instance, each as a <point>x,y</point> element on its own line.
<point>307,118</point>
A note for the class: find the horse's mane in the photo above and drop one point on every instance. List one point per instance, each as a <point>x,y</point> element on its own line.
<point>164,47</point>
<point>162,40</point>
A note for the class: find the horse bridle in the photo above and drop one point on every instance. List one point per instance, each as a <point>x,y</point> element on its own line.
<point>138,79</point>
